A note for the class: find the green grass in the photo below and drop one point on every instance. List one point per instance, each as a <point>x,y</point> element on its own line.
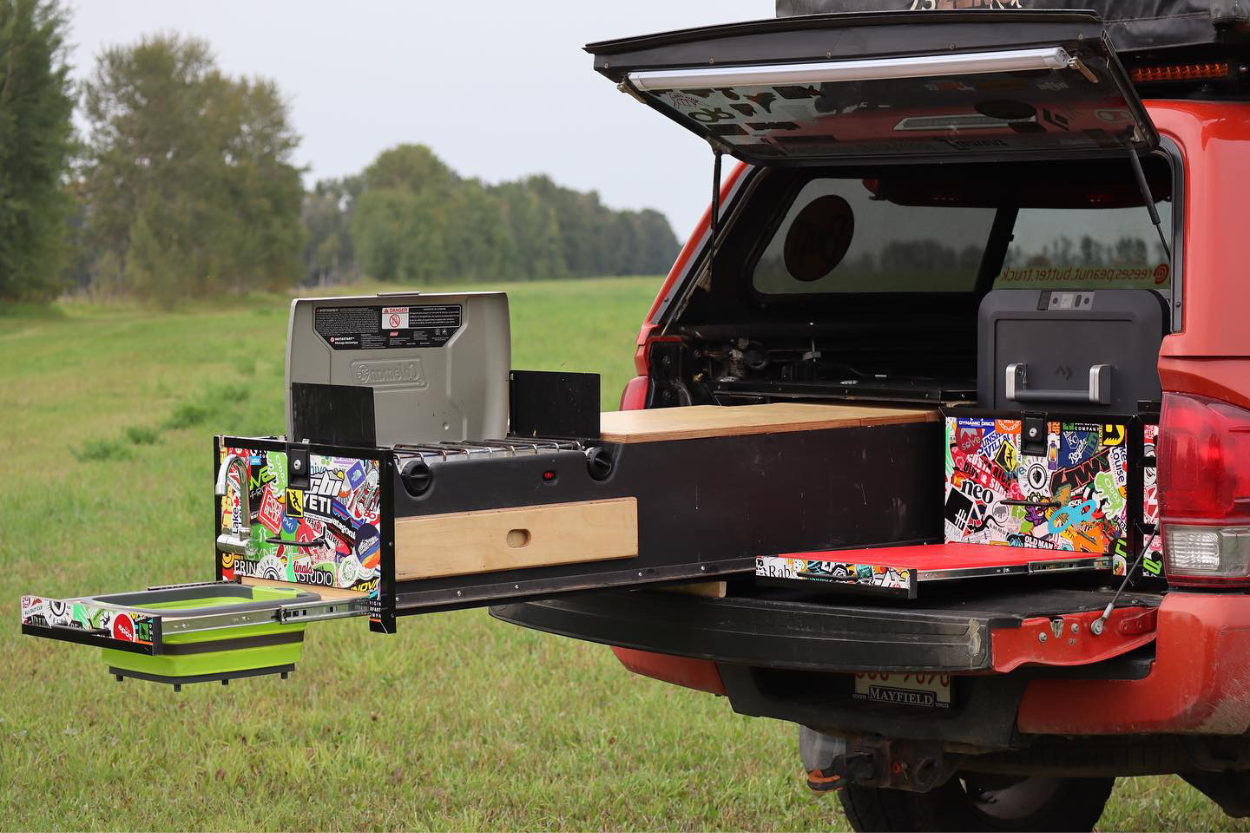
<point>457,722</point>
<point>142,434</point>
<point>99,451</point>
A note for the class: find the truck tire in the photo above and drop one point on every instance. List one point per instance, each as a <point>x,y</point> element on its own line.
<point>981,802</point>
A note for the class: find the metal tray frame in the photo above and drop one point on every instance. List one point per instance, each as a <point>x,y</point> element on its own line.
<point>179,622</point>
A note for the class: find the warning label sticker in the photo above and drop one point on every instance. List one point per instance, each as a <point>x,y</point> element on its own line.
<point>382,328</point>
<point>395,317</point>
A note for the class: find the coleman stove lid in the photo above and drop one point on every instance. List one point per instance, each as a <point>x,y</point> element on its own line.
<point>398,368</point>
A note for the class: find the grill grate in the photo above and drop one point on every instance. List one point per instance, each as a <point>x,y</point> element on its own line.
<point>511,447</point>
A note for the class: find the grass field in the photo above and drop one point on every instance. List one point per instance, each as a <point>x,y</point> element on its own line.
<point>457,722</point>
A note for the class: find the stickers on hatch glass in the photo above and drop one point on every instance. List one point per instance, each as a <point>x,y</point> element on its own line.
<point>381,328</point>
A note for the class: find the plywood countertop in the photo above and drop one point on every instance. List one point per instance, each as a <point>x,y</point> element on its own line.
<point>699,421</point>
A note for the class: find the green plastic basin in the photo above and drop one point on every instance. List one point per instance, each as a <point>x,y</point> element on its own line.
<point>211,654</point>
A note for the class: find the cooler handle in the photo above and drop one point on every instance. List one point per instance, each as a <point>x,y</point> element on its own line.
<point>1098,393</point>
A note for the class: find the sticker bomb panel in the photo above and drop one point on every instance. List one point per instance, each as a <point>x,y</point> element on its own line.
<point>108,624</point>
<point>1072,498</point>
<point>1152,562</point>
<point>327,535</point>
<point>840,572</point>
<point>1052,109</point>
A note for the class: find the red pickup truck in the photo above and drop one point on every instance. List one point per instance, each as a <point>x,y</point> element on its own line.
<point>920,195</point>
<point>939,446</point>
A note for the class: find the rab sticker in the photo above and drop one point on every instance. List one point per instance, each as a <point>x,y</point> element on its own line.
<point>295,503</point>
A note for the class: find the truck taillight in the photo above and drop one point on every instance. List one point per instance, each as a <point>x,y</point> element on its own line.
<point>1204,491</point>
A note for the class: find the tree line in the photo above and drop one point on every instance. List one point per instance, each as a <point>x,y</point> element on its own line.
<point>409,218</point>
<point>183,184</point>
<point>1088,251</point>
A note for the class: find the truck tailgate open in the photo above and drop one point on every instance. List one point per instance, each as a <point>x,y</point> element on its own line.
<point>981,632</point>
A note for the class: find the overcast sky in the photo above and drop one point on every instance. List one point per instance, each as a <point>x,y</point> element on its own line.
<point>499,89</point>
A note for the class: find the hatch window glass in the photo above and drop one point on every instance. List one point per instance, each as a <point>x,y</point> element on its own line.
<point>841,235</point>
<point>926,229</point>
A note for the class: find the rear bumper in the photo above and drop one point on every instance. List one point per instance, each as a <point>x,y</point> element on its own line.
<point>1199,683</point>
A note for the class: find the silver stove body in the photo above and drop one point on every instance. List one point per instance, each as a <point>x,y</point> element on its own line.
<point>438,364</point>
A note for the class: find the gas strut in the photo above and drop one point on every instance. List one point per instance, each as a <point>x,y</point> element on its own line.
<point>715,230</point>
<point>1142,186</point>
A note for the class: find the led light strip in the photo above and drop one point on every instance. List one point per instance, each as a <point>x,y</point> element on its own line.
<point>875,69</point>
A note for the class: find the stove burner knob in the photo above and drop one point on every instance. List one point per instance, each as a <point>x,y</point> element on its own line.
<point>417,478</point>
<point>599,460</point>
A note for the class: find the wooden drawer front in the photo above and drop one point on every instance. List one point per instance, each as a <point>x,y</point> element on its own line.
<point>486,541</point>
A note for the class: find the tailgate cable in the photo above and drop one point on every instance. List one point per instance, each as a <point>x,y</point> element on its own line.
<point>1097,625</point>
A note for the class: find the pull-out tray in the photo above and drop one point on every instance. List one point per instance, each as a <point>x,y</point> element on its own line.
<point>900,570</point>
<point>189,633</point>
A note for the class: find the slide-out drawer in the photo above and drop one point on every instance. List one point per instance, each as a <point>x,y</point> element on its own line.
<point>661,496</point>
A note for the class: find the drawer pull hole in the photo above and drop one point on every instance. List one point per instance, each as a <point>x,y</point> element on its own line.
<point>518,538</point>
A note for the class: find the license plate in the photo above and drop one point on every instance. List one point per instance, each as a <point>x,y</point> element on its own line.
<point>930,691</point>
